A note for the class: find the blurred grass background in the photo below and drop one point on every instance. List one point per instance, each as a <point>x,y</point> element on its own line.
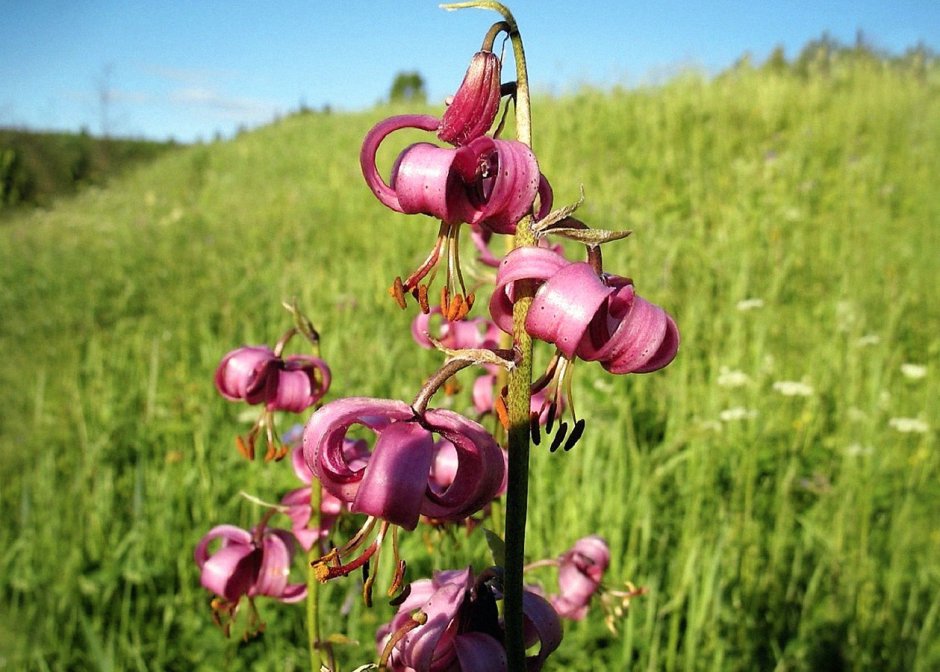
<point>788,220</point>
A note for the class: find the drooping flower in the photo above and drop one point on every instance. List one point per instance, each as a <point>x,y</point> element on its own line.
<point>260,375</point>
<point>298,501</point>
<point>394,483</point>
<point>580,573</point>
<point>450,623</point>
<point>246,564</point>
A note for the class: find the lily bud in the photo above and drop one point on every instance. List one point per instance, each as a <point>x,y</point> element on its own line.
<point>473,108</point>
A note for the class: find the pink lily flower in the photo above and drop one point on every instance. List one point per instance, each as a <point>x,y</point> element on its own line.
<point>255,374</point>
<point>476,333</point>
<point>298,501</point>
<point>580,572</point>
<point>595,317</point>
<point>246,564</point>
<point>394,483</point>
<point>457,629</point>
<point>488,183</point>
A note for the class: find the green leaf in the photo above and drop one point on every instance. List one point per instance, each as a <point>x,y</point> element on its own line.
<point>497,547</point>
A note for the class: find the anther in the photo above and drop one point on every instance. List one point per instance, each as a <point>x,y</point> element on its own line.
<point>454,310</point>
<point>575,435</point>
<point>423,299</point>
<point>397,579</point>
<point>551,418</point>
<point>500,407</point>
<point>402,596</point>
<point>445,300</point>
<point>534,428</point>
<point>397,292</point>
<point>559,436</point>
<point>247,450</point>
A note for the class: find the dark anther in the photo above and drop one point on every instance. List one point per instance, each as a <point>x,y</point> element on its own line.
<point>365,571</point>
<point>534,428</point>
<point>551,418</point>
<point>402,596</point>
<point>575,434</point>
<point>559,436</point>
<point>445,301</point>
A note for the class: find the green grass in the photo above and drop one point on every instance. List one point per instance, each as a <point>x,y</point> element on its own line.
<point>802,536</point>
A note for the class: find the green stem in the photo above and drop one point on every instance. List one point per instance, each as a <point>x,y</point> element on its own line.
<point>313,585</point>
<point>520,380</point>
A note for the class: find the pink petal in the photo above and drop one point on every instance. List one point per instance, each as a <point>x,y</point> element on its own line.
<point>479,652</point>
<point>564,306</point>
<point>370,146</point>
<point>524,263</point>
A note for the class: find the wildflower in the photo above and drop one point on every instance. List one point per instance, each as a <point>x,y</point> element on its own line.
<point>793,388</point>
<point>909,425</point>
<point>913,371</point>
<point>259,375</point>
<point>750,304</point>
<point>487,183</point>
<point>732,378</point>
<point>450,622</point>
<point>247,564</point>
<point>580,572</point>
<point>393,483</point>
<point>737,413</point>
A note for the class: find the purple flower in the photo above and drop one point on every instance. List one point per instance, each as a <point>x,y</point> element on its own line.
<point>247,374</point>
<point>473,108</point>
<point>393,484</point>
<point>580,572</point>
<point>487,183</point>
<point>246,564</point>
<point>476,333</point>
<point>457,628</point>
<point>595,317</point>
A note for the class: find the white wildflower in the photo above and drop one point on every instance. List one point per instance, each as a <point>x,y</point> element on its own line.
<point>869,339</point>
<point>909,425</point>
<point>737,413</point>
<point>750,304</point>
<point>732,378</point>
<point>914,371</point>
<point>793,388</point>
<point>857,449</point>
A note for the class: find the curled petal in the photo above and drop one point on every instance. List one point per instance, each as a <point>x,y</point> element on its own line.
<point>564,306</point>
<point>324,448</point>
<point>580,572</point>
<point>430,646</point>
<point>229,534</point>
<point>503,179</point>
<point>396,478</point>
<point>370,146</point>
<point>277,547</point>
<point>247,373</point>
<point>541,625</point>
<point>631,335</point>
<point>524,263</point>
<point>480,467</point>
<point>301,383</point>
<point>424,183</point>
<point>230,572</point>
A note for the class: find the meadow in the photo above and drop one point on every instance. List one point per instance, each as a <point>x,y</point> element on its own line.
<point>776,489</point>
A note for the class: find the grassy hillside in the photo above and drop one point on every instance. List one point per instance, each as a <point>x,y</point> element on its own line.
<point>791,226</point>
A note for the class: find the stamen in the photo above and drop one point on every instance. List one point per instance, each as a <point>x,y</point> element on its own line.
<point>454,309</point>
<point>247,450</point>
<point>417,618</point>
<point>501,412</point>
<point>423,299</point>
<point>402,596</point>
<point>445,300</point>
<point>559,436</point>
<point>397,579</point>
<point>534,428</point>
<point>430,262</point>
<point>575,434</point>
<point>397,292</point>
<point>552,407</point>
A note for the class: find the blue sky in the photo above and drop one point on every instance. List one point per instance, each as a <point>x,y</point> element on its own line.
<point>191,69</point>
